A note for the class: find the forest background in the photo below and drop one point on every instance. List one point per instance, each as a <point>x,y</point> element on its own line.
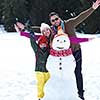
<point>37,11</point>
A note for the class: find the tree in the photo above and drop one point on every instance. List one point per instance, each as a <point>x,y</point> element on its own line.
<point>90,25</point>
<point>1,8</point>
<point>37,11</point>
<point>13,9</point>
<point>40,9</point>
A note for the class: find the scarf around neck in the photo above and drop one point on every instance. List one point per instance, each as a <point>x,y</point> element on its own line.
<point>61,52</point>
<point>54,28</point>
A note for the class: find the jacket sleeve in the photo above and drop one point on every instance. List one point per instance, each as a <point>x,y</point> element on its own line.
<point>73,22</point>
<point>34,45</point>
<point>76,40</point>
<point>27,34</point>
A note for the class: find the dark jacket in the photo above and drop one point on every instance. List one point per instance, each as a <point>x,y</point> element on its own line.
<point>41,55</point>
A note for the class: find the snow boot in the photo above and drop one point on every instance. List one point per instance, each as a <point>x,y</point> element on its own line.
<point>81,95</point>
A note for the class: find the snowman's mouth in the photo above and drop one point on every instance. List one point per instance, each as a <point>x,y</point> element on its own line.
<point>60,47</point>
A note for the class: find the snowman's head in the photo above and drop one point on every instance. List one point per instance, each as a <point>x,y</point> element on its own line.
<point>60,42</point>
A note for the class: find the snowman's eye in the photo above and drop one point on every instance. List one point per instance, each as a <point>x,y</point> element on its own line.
<point>57,40</point>
<point>64,40</point>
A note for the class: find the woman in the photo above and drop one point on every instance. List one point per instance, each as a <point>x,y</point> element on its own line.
<point>41,49</point>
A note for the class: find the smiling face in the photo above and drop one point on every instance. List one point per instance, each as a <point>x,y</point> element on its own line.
<point>55,20</point>
<point>61,42</point>
<point>46,32</point>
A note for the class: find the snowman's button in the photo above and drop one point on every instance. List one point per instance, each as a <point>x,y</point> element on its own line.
<point>60,58</point>
<point>60,68</point>
<point>60,63</point>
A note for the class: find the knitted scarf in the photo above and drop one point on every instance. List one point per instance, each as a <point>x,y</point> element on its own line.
<point>61,52</point>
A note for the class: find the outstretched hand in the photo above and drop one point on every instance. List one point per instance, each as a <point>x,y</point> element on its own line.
<point>17,28</point>
<point>20,25</point>
<point>96,4</point>
<point>91,38</point>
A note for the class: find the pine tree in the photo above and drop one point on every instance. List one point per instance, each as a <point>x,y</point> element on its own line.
<point>38,10</point>
<point>1,9</point>
<point>14,9</point>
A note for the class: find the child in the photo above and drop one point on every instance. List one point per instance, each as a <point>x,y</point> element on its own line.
<point>41,50</point>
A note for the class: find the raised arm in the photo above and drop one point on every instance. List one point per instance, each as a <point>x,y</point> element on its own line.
<point>34,45</point>
<point>20,28</point>
<point>83,15</point>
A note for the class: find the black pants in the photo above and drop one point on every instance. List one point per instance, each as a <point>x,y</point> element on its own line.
<point>79,79</point>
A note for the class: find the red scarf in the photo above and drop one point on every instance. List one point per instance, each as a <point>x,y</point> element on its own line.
<point>61,52</point>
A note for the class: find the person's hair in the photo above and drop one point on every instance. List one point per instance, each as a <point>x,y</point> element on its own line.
<point>52,14</point>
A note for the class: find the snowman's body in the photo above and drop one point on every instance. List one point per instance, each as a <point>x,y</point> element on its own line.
<point>62,83</point>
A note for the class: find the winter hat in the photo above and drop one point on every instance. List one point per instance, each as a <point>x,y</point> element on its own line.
<point>43,39</point>
<point>43,26</point>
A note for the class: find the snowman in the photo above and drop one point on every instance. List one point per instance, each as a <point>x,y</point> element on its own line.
<point>61,65</point>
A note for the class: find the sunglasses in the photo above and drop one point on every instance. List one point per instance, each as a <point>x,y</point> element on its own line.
<point>53,20</point>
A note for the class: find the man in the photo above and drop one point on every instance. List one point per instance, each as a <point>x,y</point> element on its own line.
<point>69,28</point>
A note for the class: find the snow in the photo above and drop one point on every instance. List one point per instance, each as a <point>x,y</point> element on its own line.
<point>17,63</point>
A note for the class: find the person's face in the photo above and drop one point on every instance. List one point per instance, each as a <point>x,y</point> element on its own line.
<point>43,45</point>
<point>55,20</point>
<point>46,32</point>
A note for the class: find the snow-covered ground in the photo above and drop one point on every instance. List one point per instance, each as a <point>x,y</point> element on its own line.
<point>17,62</point>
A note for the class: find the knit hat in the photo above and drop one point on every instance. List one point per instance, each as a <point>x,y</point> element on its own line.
<point>42,39</point>
<point>43,26</point>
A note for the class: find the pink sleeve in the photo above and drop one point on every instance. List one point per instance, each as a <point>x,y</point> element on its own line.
<point>78,40</point>
<point>26,34</point>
